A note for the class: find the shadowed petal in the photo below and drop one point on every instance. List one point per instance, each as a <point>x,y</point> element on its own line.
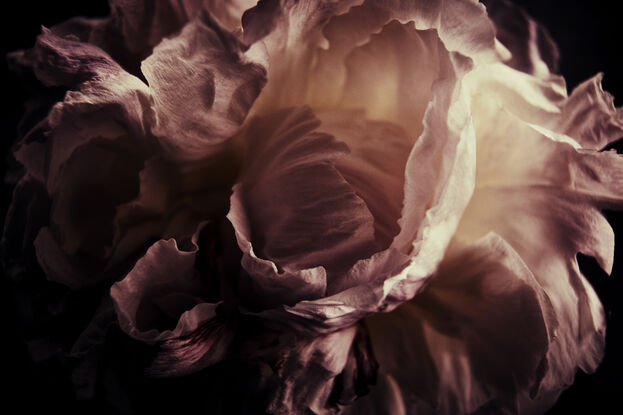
<point>160,299</point>
<point>203,83</point>
<point>295,216</point>
<point>475,339</point>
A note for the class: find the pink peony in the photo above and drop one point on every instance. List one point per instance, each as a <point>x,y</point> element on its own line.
<point>375,205</point>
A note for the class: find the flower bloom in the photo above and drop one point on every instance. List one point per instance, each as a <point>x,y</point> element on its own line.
<point>375,205</point>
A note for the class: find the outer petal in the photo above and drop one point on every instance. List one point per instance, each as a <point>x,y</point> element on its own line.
<point>474,341</point>
<point>553,193</point>
<point>135,27</point>
<point>104,122</point>
<point>295,216</point>
<point>587,117</point>
<point>203,84</point>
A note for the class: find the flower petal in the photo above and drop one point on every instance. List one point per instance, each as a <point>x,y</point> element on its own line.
<point>374,167</point>
<point>553,193</point>
<point>440,171</point>
<point>391,76</point>
<point>296,218</point>
<point>135,27</point>
<point>460,345</point>
<point>304,371</point>
<point>159,298</point>
<point>203,83</point>
<point>589,116</point>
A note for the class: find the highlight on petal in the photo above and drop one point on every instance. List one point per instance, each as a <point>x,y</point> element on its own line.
<point>203,83</point>
<point>310,44</point>
<point>440,171</point>
<point>475,339</point>
<point>554,192</point>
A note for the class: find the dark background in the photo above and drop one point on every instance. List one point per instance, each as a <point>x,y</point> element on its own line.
<point>588,34</point>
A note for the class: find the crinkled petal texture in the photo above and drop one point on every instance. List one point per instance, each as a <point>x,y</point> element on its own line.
<point>134,134</point>
<point>135,27</point>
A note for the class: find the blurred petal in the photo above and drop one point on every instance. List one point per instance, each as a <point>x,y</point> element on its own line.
<point>296,218</point>
<point>553,193</point>
<point>304,371</point>
<point>533,50</point>
<point>203,83</point>
<point>462,344</point>
<point>589,116</point>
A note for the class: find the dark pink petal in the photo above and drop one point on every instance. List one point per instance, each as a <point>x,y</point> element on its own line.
<point>374,167</point>
<point>296,218</point>
<point>160,299</point>
<point>135,27</point>
<point>203,82</point>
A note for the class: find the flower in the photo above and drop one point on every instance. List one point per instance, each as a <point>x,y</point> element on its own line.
<point>369,206</point>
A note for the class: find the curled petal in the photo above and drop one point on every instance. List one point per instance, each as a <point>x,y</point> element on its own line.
<point>291,229</point>
<point>159,299</point>
<point>374,167</point>
<point>203,83</point>
<point>135,27</point>
<point>589,116</point>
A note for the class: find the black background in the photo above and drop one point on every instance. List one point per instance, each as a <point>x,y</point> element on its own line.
<point>588,34</point>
